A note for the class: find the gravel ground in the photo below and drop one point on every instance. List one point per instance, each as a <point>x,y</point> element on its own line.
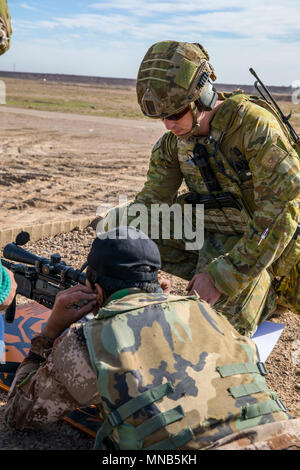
<point>283,364</point>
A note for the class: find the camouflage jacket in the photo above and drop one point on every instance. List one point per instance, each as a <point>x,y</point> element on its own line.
<point>253,159</point>
<point>5,27</point>
<point>140,343</point>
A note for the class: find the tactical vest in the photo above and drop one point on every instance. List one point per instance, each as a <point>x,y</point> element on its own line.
<point>226,187</point>
<point>219,215</point>
<point>172,373</point>
<point>227,191</point>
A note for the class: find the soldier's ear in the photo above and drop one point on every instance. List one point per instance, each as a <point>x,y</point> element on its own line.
<point>100,295</point>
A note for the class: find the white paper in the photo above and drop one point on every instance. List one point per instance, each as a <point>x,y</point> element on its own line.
<point>266,337</point>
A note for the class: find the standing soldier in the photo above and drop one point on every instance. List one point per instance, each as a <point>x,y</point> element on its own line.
<point>5,27</point>
<point>237,158</point>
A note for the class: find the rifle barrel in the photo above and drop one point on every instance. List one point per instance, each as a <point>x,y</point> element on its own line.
<point>16,253</point>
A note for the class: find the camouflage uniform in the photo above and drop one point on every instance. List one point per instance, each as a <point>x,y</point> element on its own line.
<point>284,435</point>
<point>164,371</point>
<point>253,159</point>
<point>5,27</point>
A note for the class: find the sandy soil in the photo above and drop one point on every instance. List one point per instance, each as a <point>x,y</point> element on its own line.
<point>60,166</point>
<point>56,166</point>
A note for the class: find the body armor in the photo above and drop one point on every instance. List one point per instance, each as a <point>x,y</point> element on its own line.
<point>172,373</point>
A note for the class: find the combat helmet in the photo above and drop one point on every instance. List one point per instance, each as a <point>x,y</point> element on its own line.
<point>5,27</point>
<point>174,75</point>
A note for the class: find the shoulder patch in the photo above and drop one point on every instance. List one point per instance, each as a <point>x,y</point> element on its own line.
<point>273,156</point>
<point>168,144</point>
<point>157,145</point>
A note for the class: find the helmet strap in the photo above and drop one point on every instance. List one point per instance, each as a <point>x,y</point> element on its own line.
<point>196,122</point>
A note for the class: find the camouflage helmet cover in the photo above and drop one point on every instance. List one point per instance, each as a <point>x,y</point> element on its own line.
<point>5,26</point>
<point>171,76</point>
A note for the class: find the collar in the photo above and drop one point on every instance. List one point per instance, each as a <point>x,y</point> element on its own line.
<point>127,300</point>
<point>120,294</point>
<point>124,292</point>
<point>222,119</point>
<point>226,114</point>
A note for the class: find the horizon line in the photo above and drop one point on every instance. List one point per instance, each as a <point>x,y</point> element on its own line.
<point>132,80</point>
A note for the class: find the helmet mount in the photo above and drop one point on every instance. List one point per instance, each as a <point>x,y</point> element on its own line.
<point>208,97</point>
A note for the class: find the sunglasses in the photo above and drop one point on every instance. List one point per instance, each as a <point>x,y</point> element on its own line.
<point>177,116</point>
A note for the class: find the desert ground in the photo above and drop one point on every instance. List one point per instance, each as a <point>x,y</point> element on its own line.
<point>68,149</point>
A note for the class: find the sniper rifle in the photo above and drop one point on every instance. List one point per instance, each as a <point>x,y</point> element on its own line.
<point>42,279</point>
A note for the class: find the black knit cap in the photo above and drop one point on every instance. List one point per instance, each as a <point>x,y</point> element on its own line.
<point>118,252</point>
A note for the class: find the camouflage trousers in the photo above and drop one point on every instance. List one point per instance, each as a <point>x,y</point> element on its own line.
<point>289,290</point>
<point>283,435</point>
<point>244,311</point>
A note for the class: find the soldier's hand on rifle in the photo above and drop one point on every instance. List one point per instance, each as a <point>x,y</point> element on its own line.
<point>203,285</point>
<point>66,310</point>
<point>12,292</point>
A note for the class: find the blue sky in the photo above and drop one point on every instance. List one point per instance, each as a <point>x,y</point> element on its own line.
<point>110,37</point>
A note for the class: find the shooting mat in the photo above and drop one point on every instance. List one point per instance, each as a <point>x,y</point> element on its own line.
<point>16,336</point>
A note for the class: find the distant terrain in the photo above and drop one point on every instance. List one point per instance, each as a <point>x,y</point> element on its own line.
<point>130,82</point>
<point>101,96</point>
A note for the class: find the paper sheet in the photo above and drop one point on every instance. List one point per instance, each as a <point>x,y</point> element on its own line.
<point>266,337</point>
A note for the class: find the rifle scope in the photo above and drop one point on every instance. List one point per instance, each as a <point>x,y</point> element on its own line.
<point>16,253</point>
<point>53,266</point>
